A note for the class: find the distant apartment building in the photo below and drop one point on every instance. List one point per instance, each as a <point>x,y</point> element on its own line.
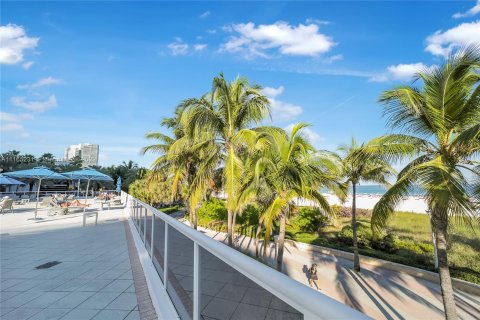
<point>88,152</point>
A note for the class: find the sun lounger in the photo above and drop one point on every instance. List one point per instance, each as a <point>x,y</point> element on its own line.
<point>6,204</point>
<point>54,209</point>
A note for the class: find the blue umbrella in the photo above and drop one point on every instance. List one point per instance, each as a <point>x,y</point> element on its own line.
<point>6,181</point>
<point>119,185</point>
<point>88,174</point>
<point>38,173</point>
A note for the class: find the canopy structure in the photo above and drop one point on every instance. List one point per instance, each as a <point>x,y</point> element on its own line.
<point>119,185</point>
<point>88,174</point>
<point>6,181</point>
<point>38,173</point>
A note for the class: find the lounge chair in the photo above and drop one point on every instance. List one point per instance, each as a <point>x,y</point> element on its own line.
<point>46,201</point>
<point>6,204</point>
<point>54,209</point>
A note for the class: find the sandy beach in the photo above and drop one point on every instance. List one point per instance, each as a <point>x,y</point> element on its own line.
<point>414,204</point>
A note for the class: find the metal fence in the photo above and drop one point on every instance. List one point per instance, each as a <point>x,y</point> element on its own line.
<point>207,279</point>
<point>76,193</point>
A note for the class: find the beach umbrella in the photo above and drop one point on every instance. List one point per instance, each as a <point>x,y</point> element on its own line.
<point>119,185</point>
<point>38,173</point>
<point>88,174</point>
<point>6,181</point>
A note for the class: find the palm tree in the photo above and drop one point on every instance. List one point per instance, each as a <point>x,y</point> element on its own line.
<point>224,116</point>
<point>444,116</point>
<point>356,168</point>
<point>46,158</point>
<point>291,168</point>
<point>76,161</point>
<point>189,161</point>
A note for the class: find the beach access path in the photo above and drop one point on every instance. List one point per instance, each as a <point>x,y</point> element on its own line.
<point>378,292</point>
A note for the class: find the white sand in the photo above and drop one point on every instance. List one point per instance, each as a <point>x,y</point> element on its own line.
<point>410,204</point>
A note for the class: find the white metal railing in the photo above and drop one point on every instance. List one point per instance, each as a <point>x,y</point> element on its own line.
<point>48,193</point>
<point>193,253</point>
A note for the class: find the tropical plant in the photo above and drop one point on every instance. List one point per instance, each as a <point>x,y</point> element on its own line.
<point>76,161</point>
<point>190,161</point>
<point>47,158</point>
<point>444,117</point>
<point>290,169</point>
<point>223,116</point>
<point>361,168</point>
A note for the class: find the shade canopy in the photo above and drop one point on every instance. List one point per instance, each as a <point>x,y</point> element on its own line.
<point>6,181</point>
<point>42,173</point>
<point>88,174</point>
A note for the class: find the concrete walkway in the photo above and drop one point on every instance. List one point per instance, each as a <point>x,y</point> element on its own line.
<point>92,281</point>
<point>375,291</point>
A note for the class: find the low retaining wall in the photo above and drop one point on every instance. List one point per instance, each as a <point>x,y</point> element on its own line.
<point>416,272</point>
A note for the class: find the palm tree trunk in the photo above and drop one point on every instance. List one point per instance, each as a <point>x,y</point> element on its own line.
<point>234,219</point>
<point>281,241</point>
<point>257,235</point>
<point>443,271</point>
<point>194,218</point>
<point>229,228</point>
<point>356,258</point>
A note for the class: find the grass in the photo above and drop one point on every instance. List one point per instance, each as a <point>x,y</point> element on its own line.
<point>414,246</point>
<point>406,240</point>
<point>172,209</point>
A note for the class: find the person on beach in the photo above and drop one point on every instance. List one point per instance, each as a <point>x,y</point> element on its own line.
<point>313,277</point>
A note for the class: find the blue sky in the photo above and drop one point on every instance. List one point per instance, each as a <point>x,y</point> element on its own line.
<point>107,72</point>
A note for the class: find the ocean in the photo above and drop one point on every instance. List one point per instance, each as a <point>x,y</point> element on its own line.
<point>380,190</point>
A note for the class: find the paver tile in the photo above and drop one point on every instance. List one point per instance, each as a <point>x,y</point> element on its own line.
<point>72,300</point>
<point>111,315</point>
<point>99,300</point>
<point>125,301</point>
<point>80,314</point>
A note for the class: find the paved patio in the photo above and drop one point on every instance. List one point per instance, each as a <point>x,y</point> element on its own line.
<point>92,281</point>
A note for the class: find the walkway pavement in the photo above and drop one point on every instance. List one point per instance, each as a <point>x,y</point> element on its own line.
<point>93,279</point>
<point>375,291</point>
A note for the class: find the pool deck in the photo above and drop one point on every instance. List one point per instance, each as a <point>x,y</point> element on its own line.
<point>93,280</point>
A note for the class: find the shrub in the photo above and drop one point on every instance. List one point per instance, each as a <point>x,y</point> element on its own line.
<point>309,220</point>
<point>249,216</point>
<point>364,235</point>
<point>346,212</point>
<point>388,243</point>
<point>212,209</point>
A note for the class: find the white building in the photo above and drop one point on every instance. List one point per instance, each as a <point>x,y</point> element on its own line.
<point>88,152</point>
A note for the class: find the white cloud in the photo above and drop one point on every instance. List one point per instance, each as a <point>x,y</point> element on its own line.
<point>13,41</point>
<point>49,81</point>
<point>333,58</point>
<point>281,110</point>
<point>10,127</point>
<point>317,21</point>
<point>272,92</point>
<point>199,46</point>
<point>204,14</point>
<point>442,43</point>
<point>26,65</point>
<point>313,137</point>
<point>469,13</point>
<point>301,40</point>
<point>402,72</point>
<point>178,47</point>
<point>11,117</point>
<point>37,106</point>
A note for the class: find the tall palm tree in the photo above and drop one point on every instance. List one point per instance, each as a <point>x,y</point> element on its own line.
<point>444,116</point>
<point>356,168</point>
<point>224,116</point>
<point>291,168</point>
<point>188,160</point>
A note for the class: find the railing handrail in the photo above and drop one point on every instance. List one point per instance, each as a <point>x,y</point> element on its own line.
<point>314,305</point>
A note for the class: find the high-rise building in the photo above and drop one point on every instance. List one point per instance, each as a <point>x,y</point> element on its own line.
<point>88,152</point>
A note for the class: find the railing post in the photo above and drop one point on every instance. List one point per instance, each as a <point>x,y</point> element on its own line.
<point>151,239</point>
<point>145,228</point>
<point>165,258</point>
<point>196,281</point>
